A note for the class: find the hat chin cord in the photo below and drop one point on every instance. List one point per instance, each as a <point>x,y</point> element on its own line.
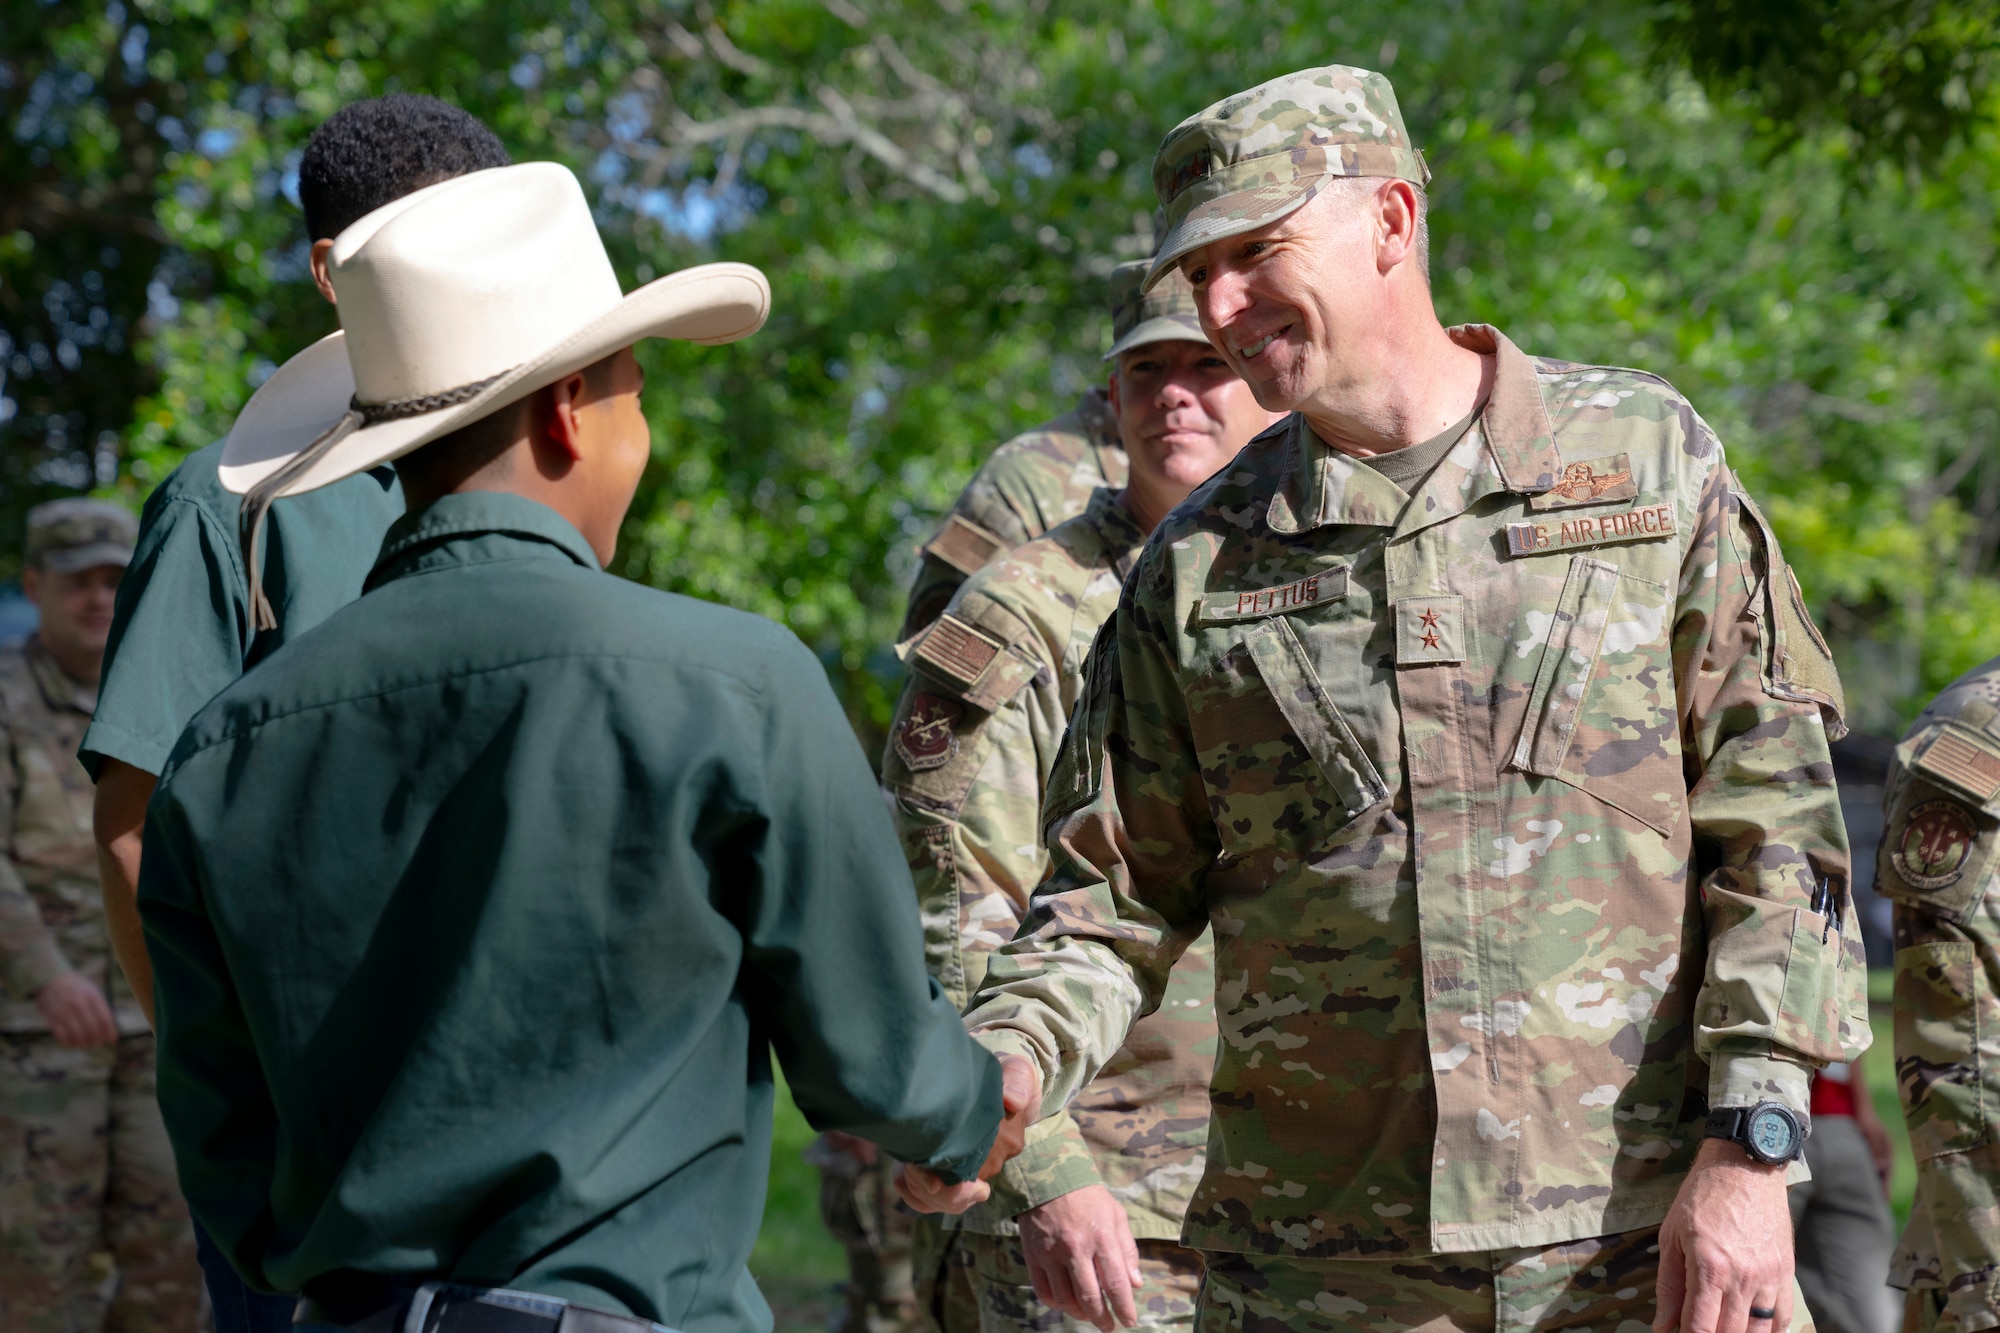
<point>258,500</point>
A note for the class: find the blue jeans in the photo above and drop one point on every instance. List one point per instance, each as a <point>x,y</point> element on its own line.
<point>237,1308</point>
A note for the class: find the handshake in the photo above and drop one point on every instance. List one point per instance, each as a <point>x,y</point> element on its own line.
<point>1021,1100</point>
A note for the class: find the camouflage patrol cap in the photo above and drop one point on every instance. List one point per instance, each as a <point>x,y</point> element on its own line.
<point>68,535</point>
<point>1252,158</point>
<point>1165,314</point>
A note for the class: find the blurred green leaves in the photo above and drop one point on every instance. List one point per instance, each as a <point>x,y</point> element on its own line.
<point>938,190</point>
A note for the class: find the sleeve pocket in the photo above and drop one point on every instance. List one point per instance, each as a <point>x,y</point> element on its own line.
<point>1944,1016</point>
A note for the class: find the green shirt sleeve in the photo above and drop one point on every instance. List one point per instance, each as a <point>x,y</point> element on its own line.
<point>223,1123</point>
<point>177,637</point>
<point>869,1042</point>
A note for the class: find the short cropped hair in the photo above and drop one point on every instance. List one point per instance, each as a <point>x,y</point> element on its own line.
<point>376,151</point>
<point>1352,191</point>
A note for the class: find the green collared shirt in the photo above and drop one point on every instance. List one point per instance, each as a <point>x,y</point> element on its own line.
<point>477,912</point>
<point>182,630</point>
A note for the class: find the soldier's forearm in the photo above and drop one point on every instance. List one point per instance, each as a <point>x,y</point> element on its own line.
<point>119,816</point>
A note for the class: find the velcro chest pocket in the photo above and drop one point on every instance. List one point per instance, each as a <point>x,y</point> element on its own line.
<point>1279,761</point>
<point>1601,712</point>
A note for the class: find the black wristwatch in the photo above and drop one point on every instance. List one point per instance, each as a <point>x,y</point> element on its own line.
<point>1771,1133</point>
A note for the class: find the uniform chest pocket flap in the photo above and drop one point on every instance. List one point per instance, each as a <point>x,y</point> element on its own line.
<point>1295,688</point>
<point>1600,714</point>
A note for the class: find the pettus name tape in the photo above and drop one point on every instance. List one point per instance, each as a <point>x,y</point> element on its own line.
<point>1628,525</point>
<point>1255,603</point>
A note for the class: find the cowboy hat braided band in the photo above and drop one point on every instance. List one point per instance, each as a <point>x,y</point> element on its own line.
<point>257,504</point>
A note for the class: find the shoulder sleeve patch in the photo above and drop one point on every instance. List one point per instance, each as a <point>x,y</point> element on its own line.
<point>964,545</point>
<point>1937,851</point>
<point>1797,663</point>
<point>1964,758</point>
<point>981,668</point>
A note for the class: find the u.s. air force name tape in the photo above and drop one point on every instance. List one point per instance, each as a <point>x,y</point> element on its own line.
<point>1629,525</point>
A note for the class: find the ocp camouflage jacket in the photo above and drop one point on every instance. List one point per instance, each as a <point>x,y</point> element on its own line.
<point>1034,481</point>
<point>1937,864</point>
<point>1507,802</point>
<point>51,909</point>
<point>974,738</point>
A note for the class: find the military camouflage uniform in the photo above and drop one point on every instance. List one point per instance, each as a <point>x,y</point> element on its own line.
<point>975,735</point>
<point>91,1218</point>
<point>1937,866</point>
<point>1507,802</point>
<point>1031,483</point>
<point>1034,481</point>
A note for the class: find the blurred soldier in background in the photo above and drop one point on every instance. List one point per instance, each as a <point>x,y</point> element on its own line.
<point>1842,1230</point>
<point>91,1218</point>
<point>1475,711</point>
<point>187,623</point>
<point>1093,1207</point>
<point>1032,482</point>
<point>1937,866</point>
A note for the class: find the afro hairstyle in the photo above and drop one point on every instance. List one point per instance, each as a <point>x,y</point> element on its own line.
<point>373,152</point>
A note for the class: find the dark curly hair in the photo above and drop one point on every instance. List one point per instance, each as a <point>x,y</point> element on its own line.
<point>370,153</point>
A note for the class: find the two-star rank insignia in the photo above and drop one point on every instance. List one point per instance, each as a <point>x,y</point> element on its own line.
<point>1430,629</point>
<point>1595,482</point>
<point>925,738</point>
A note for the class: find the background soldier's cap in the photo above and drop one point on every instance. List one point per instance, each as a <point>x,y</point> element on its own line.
<point>68,535</point>
<point>1252,158</point>
<point>1165,314</point>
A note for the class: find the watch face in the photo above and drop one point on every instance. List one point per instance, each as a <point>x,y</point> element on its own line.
<point>1773,1134</point>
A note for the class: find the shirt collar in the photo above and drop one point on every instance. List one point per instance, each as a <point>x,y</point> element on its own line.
<point>1114,522</point>
<point>418,540</point>
<point>1321,485</point>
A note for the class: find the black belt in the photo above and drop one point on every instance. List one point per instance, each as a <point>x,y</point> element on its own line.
<point>368,1304</point>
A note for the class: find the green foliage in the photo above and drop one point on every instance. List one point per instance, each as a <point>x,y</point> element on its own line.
<point>938,189</point>
<point>1903,78</point>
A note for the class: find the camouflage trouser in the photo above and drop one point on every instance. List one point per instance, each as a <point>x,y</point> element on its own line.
<point>969,1283</point>
<point>93,1232</point>
<point>1605,1285</point>
<point>857,1202</point>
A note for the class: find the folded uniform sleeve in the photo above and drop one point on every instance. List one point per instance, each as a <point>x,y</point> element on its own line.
<point>963,777</point>
<point>1128,828</point>
<point>870,1043</point>
<point>1785,987</point>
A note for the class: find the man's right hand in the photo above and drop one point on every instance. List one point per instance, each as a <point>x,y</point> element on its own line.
<point>1021,1100</point>
<point>76,1011</point>
<point>1081,1257</point>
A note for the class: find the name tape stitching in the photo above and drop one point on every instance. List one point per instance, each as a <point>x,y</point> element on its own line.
<point>1251,603</point>
<point>1656,520</point>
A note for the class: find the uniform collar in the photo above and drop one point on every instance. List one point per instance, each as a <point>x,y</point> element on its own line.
<point>1116,527</point>
<point>59,689</point>
<point>439,535</point>
<point>1320,485</point>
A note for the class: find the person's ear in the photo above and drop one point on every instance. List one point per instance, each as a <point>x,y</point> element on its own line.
<point>1395,225</point>
<point>320,250</point>
<point>565,431</point>
<point>31,584</point>
<point>1111,391</point>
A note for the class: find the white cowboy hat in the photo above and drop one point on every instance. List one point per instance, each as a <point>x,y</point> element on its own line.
<point>456,301</point>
